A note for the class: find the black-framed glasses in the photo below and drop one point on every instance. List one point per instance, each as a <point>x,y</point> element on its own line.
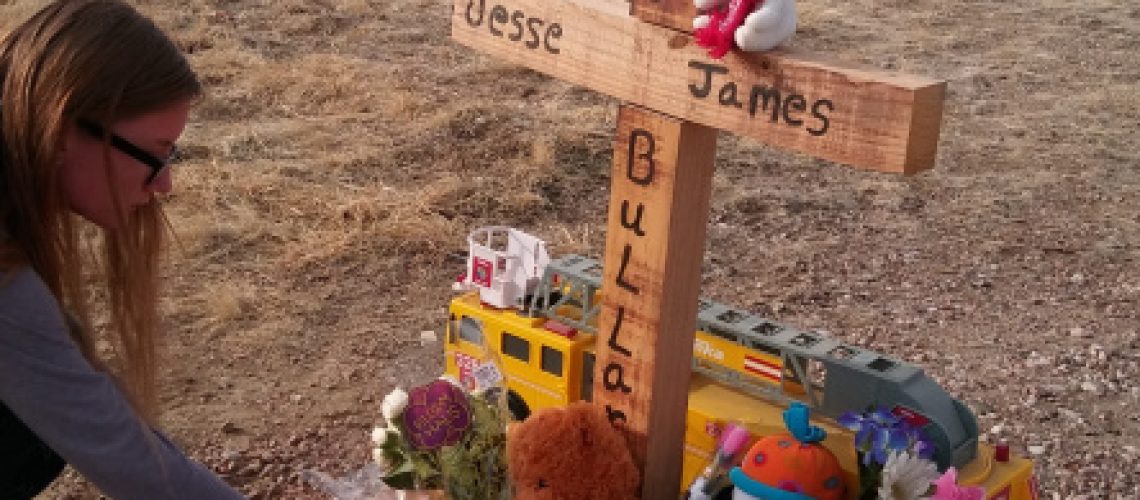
<point>127,147</point>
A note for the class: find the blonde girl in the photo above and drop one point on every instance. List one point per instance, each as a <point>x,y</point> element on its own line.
<point>93,97</point>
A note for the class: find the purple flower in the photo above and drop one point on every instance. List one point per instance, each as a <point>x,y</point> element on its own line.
<point>924,448</point>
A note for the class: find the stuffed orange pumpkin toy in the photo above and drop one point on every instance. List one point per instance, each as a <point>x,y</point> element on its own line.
<point>791,466</point>
<point>570,453</point>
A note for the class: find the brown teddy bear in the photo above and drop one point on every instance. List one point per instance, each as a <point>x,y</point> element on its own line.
<point>570,453</point>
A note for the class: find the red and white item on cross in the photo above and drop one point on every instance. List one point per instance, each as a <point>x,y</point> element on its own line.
<point>750,25</point>
<point>717,35</point>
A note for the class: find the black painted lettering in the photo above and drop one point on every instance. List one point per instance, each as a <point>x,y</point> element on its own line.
<point>708,71</point>
<point>794,102</point>
<point>625,254</point>
<point>617,373</point>
<point>651,148</point>
<point>728,95</point>
<point>534,24</point>
<point>613,343</point>
<point>615,416</point>
<point>636,224</point>
<point>554,31</point>
<point>771,97</point>
<point>499,15</point>
<point>475,22</point>
<point>517,22</point>
<point>815,111</point>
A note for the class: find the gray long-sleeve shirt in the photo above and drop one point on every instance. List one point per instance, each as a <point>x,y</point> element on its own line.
<point>79,412</point>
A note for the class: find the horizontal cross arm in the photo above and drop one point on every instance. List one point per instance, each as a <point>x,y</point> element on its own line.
<point>788,98</point>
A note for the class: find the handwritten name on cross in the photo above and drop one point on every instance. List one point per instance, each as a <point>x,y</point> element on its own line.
<point>677,99</point>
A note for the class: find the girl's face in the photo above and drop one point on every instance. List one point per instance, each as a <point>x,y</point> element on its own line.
<point>90,187</point>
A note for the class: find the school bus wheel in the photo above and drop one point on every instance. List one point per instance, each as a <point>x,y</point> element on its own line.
<point>518,408</point>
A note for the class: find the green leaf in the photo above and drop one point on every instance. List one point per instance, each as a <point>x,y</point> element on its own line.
<point>401,478</point>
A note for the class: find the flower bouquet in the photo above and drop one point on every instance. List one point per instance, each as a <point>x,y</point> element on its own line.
<point>440,437</point>
<point>895,461</point>
<point>894,456</point>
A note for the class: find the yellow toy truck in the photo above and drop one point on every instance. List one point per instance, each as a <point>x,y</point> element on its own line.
<point>539,317</point>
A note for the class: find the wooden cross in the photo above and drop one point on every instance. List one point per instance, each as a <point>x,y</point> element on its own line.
<point>677,99</point>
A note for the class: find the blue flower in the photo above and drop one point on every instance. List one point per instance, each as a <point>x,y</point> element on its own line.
<point>879,432</point>
<point>884,418</point>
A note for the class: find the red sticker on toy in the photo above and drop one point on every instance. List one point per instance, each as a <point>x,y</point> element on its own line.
<point>467,365</point>
<point>481,271</point>
<point>911,417</point>
<point>437,415</point>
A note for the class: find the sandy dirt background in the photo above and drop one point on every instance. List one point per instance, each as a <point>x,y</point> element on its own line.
<point>347,147</point>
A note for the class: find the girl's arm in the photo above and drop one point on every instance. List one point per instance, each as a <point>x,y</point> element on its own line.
<point>80,412</point>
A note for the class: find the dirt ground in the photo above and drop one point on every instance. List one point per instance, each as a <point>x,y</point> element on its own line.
<point>347,147</point>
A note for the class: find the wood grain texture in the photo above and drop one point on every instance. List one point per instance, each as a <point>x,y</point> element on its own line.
<point>660,189</point>
<point>788,98</point>
<point>675,14</point>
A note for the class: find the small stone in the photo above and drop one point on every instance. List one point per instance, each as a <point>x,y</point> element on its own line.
<point>1078,332</point>
<point>995,430</point>
<point>983,408</point>
<point>1093,387</point>
<point>1036,450</point>
<point>1069,414</point>
<point>230,428</point>
<point>296,398</point>
<point>428,337</point>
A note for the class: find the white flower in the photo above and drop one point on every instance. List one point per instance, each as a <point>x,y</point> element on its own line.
<point>379,436</point>
<point>394,404</point>
<point>906,477</point>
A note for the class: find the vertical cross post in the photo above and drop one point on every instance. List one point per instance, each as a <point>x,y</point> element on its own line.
<point>659,203</point>
<point>661,183</point>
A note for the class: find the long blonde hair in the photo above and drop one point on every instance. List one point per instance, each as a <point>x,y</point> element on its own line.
<point>103,61</point>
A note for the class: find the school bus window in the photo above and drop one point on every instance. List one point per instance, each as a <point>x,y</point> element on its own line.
<point>516,347</point>
<point>452,329</point>
<point>551,361</point>
<point>471,330</point>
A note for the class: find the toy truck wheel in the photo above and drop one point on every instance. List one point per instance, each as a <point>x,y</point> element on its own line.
<point>518,408</point>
